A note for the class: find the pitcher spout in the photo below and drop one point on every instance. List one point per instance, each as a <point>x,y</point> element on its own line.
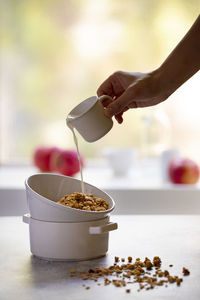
<point>69,122</point>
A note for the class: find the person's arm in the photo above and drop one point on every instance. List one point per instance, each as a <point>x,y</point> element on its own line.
<point>183,62</point>
<point>132,90</point>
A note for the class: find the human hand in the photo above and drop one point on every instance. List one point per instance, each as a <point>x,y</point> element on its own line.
<point>131,90</point>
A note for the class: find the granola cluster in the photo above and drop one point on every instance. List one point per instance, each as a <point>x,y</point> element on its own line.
<point>84,202</point>
<point>147,274</point>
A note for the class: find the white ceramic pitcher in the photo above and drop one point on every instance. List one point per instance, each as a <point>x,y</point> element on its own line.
<point>89,119</point>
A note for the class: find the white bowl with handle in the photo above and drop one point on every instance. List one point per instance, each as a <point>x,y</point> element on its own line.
<point>69,241</point>
<point>43,190</point>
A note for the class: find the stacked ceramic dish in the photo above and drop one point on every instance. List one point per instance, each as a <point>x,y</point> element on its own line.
<point>59,232</point>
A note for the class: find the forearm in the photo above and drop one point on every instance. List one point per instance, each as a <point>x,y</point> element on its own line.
<point>132,90</point>
<point>182,63</point>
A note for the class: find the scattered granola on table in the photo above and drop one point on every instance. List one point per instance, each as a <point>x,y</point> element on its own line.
<point>147,274</point>
<point>185,272</point>
<point>116,259</point>
<point>84,202</point>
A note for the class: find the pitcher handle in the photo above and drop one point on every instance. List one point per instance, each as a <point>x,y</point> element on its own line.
<point>104,97</point>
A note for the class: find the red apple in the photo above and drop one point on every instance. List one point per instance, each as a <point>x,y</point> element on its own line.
<point>42,157</point>
<point>183,170</point>
<point>67,162</point>
<point>53,160</point>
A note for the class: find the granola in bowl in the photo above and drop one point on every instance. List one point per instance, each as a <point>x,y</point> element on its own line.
<point>82,201</point>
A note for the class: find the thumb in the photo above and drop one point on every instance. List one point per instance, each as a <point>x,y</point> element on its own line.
<point>118,105</point>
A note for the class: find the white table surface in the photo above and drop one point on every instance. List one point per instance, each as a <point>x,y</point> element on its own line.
<point>176,239</point>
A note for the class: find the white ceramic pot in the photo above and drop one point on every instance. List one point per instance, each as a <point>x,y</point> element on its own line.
<point>89,119</point>
<point>45,189</point>
<point>69,241</point>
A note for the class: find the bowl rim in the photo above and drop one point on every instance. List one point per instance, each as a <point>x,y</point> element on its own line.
<point>63,207</point>
<point>104,218</point>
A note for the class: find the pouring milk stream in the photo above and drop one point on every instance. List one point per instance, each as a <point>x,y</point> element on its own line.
<point>79,158</point>
<point>89,120</point>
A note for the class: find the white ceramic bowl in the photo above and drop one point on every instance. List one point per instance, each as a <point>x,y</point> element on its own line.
<point>45,189</point>
<point>120,160</point>
<point>69,241</point>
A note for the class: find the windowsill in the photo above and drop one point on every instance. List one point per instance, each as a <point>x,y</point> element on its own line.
<point>139,192</point>
<point>97,173</point>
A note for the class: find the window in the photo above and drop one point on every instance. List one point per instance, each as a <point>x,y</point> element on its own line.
<point>56,53</point>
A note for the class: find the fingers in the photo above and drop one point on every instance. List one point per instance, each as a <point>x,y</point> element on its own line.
<point>111,86</point>
<point>106,88</point>
<point>119,118</point>
<point>118,106</point>
<point>133,104</point>
<point>107,102</point>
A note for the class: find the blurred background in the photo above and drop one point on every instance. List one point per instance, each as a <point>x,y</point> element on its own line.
<point>55,53</point>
